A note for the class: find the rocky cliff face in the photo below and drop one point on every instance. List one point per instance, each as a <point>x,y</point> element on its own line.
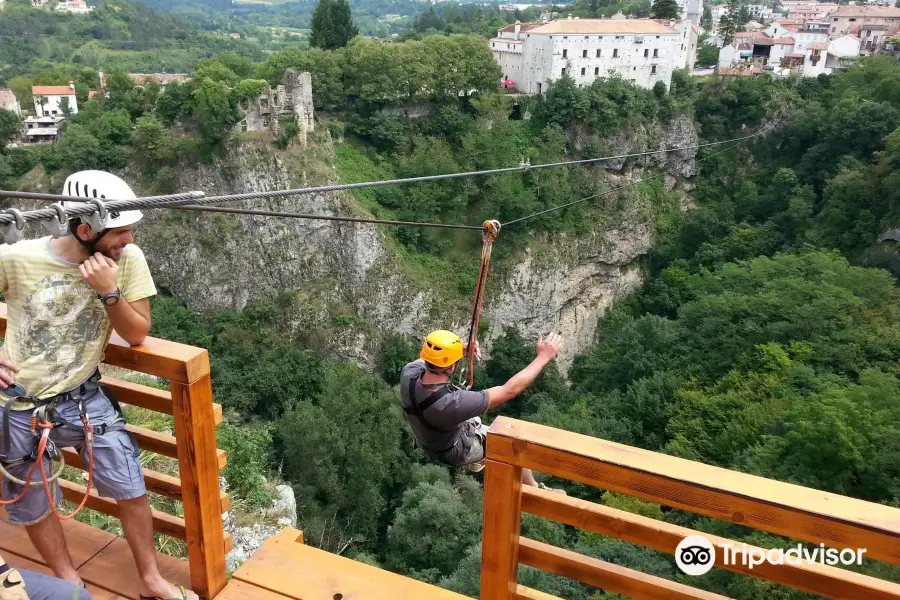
<point>351,270</point>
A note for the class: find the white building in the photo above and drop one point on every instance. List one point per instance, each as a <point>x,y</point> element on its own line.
<point>642,51</point>
<point>507,49</point>
<point>760,12</point>
<point>759,51</point>
<point>8,101</point>
<point>811,31</point>
<point>782,28</point>
<point>691,10</point>
<point>49,99</point>
<point>74,6</point>
<point>718,11</point>
<point>824,58</point>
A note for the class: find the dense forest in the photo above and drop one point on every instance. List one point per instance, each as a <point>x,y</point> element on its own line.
<point>765,339</point>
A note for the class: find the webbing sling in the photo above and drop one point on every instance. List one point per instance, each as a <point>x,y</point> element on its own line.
<point>418,408</point>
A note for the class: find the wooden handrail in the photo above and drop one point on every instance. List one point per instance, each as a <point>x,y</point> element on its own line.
<point>790,510</point>
<point>607,576</point>
<point>824,580</point>
<point>195,417</point>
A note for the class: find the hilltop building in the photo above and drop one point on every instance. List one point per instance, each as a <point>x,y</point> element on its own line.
<point>293,98</point>
<point>642,51</point>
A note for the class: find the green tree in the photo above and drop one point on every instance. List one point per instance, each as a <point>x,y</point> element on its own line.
<point>435,524</point>
<point>10,124</point>
<point>214,111</point>
<point>706,19</point>
<point>731,22</point>
<point>666,9</point>
<point>332,25</point>
<point>149,140</point>
<point>341,449</point>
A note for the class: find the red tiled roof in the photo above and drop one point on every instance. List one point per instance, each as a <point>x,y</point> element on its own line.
<point>867,11</point>
<point>52,90</point>
<point>793,55</point>
<point>523,27</point>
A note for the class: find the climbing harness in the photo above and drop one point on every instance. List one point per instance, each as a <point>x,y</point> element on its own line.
<point>489,236</point>
<point>44,419</point>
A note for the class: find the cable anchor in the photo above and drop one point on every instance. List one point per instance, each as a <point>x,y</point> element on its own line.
<point>58,225</point>
<point>15,231</point>
<point>97,220</point>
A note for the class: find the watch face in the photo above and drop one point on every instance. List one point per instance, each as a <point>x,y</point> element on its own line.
<point>111,300</point>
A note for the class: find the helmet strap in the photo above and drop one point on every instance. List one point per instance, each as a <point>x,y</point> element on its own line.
<point>90,245</point>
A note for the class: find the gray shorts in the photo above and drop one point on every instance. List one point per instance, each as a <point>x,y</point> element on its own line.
<point>117,468</point>
<point>476,451</point>
<point>45,587</point>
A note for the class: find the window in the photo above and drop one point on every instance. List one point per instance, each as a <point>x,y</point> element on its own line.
<point>634,68</point>
<point>833,28</point>
<point>596,70</point>
<point>657,37</point>
<point>565,53</point>
<point>563,71</point>
<point>508,46</point>
<point>656,52</point>
<point>493,45</point>
<point>584,54</point>
<point>646,52</point>
<point>582,70</point>
<point>586,37</point>
<point>565,37</point>
<point>539,88</point>
<point>598,52</point>
<point>616,53</point>
<point>653,70</point>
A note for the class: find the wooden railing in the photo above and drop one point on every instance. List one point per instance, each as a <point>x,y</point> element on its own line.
<point>796,512</point>
<point>195,416</point>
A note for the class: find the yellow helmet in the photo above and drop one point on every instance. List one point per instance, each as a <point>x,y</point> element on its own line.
<point>442,348</point>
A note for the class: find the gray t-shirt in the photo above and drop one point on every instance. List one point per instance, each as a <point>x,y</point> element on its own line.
<point>443,435</point>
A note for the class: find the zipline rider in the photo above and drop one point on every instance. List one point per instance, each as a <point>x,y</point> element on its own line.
<point>65,295</point>
<point>444,418</point>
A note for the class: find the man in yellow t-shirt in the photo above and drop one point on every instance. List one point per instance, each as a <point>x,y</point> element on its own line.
<point>64,296</point>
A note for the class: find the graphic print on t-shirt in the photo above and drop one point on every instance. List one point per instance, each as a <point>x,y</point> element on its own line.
<point>62,323</point>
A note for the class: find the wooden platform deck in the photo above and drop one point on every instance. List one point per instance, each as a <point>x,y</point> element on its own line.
<point>103,559</point>
<point>284,568</point>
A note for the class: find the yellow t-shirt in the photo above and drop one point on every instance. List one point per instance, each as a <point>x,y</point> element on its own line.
<point>57,328</point>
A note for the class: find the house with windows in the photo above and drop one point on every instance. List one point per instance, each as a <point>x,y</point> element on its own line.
<point>853,19</point>
<point>54,100</point>
<point>827,57</point>
<point>642,51</point>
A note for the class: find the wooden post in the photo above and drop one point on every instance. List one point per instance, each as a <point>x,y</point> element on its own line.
<point>500,536</point>
<point>192,407</point>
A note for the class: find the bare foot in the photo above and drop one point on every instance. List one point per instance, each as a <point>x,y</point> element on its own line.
<point>164,589</point>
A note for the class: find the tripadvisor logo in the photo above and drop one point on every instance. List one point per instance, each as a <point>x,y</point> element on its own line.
<point>696,555</point>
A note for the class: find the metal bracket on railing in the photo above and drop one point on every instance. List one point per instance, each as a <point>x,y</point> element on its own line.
<point>15,231</point>
<point>97,220</point>
<point>58,226</point>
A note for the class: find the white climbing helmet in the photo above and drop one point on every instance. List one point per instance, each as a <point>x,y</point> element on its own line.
<point>103,186</point>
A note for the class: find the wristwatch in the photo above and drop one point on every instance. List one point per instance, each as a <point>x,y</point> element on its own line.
<point>110,298</point>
